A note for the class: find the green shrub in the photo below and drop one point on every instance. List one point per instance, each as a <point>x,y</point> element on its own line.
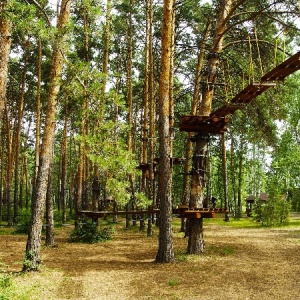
<point>87,232</point>
<point>273,213</point>
<point>23,222</point>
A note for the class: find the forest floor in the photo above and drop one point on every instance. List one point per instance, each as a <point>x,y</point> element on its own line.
<point>241,262</point>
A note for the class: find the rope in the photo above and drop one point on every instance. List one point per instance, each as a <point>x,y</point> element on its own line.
<point>228,71</point>
<point>283,44</point>
<point>225,89</point>
<point>251,70</point>
<point>258,52</point>
<point>275,52</point>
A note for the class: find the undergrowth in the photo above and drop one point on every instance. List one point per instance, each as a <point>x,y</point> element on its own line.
<point>88,232</point>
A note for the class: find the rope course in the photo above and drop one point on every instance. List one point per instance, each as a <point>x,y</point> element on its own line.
<point>216,122</point>
<point>183,211</point>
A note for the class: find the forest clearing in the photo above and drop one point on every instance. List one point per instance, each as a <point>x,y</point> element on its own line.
<point>243,260</point>
<point>150,108</point>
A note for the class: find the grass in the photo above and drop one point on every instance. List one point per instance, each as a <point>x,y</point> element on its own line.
<point>10,288</point>
<point>108,271</point>
<point>245,223</point>
<point>174,282</point>
<point>220,250</point>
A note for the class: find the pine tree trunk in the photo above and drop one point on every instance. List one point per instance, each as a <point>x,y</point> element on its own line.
<point>5,44</point>
<point>49,241</point>
<point>1,174</point>
<point>38,119</point>
<point>9,169</point>
<point>64,172</point>
<point>152,131</point>
<point>201,141</point>
<point>240,179</point>
<point>32,255</point>
<point>224,173</point>
<point>196,243</point>
<point>165,251</point>
<point>195,103</point>
<point>145,127</point>
<point>17,140</point>
<point>232,171</point>
<point>129,101</point>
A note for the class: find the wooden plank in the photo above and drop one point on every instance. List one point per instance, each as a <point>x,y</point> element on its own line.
<point>100,214</point>
<point>250,92</point>
<point>192,214</point>
<point>183,211</point>
<point>205,124</point>
<point>283,70</point>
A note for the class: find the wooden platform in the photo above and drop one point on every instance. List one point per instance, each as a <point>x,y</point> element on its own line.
<point>283,70</point>
<point>205,124</point>
<point>101,214</point>
<point>182,212</point>
<point>216,122</point>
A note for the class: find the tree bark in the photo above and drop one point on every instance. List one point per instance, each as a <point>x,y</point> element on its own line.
<point>49,241</point>
<point>152,131</point>
<point>17,138</point>
<point>224,173</point>
<point>38,118</point>
<point>195,103</point>
<point>9,169</point>
<point>64,171</point>
<point>240,179</point>
<point>5,45</point>
<point>32,254</point>
<point>165,252</point>
<point>201,140</point>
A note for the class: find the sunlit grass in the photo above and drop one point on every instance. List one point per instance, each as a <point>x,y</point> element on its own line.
<point>236,223</point>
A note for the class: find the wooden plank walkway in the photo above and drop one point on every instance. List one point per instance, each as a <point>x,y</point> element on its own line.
<point>216,122</point>
<point>183,212</point>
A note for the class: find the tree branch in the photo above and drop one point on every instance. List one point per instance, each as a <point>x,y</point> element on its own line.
<point>41,9</point>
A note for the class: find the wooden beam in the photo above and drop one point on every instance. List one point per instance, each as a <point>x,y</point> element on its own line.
<point>283,70</point>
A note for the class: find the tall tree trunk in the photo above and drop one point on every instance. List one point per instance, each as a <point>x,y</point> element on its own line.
<point>152,131</point>
<point>5,44</point>
<point>32,255</point>
<point>49,241</point>
<point>17,139</point>
<point>224,173</point>
<point>38,118</point>
<point>196,241</point>
<point>165,251</point>
<point>195,103</point>
<point>129,100</point>
<point>145,126</point>
<point>23,182</point>
<point>64,171</point>
<point>9,169</point>
<point>240,179</point>
<point>232,171</point>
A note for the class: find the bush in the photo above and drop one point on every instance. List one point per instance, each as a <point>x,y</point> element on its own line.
<point>23,222</point>
<point>274,213</point>
<point>87,232</point>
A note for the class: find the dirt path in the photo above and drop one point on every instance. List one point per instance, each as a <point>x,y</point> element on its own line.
<point>239,264</point>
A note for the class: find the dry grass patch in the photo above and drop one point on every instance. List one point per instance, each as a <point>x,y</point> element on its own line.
<point>240,263</point>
